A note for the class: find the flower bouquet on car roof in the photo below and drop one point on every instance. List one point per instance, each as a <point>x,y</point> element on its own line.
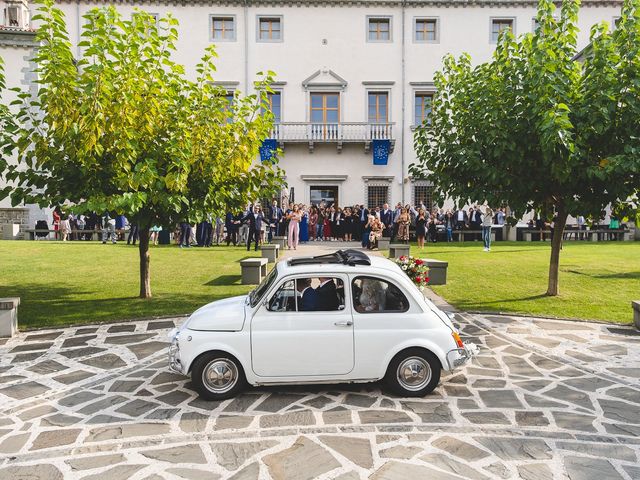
<point>416,270</point>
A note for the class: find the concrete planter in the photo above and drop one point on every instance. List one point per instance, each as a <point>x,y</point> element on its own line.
<point>281,241</point>
<point>383,243</point>
<point>9,316</point>
<point>636,313</point>
<point>397,250</point>
<point>437,271</point>
<point>253,270</point>
<point>270,252</point>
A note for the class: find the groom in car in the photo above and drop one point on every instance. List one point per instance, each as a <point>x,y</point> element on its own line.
<point>327,295</point>
<point>309,298</point>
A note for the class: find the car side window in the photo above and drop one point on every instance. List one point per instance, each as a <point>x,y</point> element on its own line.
<point>309,294</point>
<point>320,294</point>
<point>284,300</point>
<point>374,295</point>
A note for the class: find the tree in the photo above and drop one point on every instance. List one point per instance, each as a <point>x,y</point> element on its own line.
<point>535,128</point>
<point>122,129</point>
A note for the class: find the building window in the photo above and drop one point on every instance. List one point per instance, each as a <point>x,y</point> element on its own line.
<point>379,29</point>
<point>426,30</point>
<point>223,28</point>
<point>378,107</point>
<point>422,109</point>
<point>498,25</point>
<point>423,195</point>
<point>274,104</point>
<point>377,195</point>
<point>16,17</point>
<point>325,107</point>
<point>270,29</point>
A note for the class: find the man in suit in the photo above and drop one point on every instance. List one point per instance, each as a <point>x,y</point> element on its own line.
<point>386,217</point>
<point>327,295</point>
<point>254,220</point>
<point>275,219</point>
<point>232,228</point>
<point>308,299</point>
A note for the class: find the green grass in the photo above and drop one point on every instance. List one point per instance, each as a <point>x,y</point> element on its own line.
<point>598,281</point>
<point>76,282</point>
<point>71,283</point>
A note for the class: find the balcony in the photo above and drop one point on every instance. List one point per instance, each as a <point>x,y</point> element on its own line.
<point>338,133</point>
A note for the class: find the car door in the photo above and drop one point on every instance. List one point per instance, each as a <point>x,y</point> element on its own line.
<point>292,338</point>
<point>384,317</point>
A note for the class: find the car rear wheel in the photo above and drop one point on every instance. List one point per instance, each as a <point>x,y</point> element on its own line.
<point>217,376</point>
<point>413,373</point>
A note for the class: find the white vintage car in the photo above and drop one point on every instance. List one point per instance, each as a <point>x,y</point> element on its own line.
<point>342,317</point>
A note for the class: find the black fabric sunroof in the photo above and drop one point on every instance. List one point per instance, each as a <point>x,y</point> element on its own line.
<point>341,257</point>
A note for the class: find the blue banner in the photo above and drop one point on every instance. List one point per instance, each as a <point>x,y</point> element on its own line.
<point>268,149</point>
<point>380,150</point>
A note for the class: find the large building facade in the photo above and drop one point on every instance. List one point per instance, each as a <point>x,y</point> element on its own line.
<point>351,75</point>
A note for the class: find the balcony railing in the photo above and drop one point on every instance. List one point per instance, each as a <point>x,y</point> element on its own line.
<point>338,133</point>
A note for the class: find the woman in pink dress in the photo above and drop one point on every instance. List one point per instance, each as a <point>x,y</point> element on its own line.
<point>294,228</point>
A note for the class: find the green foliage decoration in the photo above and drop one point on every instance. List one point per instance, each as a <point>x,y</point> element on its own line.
<point>122,129</point>
<point>541,127</point>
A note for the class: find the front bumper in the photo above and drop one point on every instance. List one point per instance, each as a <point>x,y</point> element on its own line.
<point>174,352</point>
<point>459,356</point>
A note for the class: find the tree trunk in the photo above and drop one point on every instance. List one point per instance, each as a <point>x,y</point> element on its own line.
<point>556,246</point>
<point>145,275</point>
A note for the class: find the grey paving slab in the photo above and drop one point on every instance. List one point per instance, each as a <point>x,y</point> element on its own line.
<point>106,406</point>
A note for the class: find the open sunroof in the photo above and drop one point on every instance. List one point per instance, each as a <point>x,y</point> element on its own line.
<point>340,257</point>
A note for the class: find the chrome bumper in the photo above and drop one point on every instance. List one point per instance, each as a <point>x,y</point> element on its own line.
<point>174,353</point>
<point>459,356</point>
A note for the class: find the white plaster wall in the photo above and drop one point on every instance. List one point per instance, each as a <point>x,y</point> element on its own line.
<point>348,53</point>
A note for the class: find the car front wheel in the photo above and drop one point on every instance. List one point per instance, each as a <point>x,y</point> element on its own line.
<point>413,373</point>
<point>217,376</point>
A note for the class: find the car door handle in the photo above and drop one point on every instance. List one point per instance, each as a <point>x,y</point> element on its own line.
<point>343,324</point>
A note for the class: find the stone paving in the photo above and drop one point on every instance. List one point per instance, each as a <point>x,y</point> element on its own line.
<point>545,399</point>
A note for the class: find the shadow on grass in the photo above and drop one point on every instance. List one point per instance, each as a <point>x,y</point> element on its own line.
<point>471,304</point>
<point>44,305</point>
<point>224,280</point>
<point>608,276</point>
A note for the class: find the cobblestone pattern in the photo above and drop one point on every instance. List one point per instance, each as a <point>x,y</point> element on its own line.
<point>545,399</point>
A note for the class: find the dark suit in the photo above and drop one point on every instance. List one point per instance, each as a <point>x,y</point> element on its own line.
<point>275,217</point>
<point>387,221</point>
<point>327,296</point>
<point>232,229</point>
<point>308,302</point>
<point>255,225</point>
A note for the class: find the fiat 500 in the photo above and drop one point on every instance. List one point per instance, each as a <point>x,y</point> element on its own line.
<point>338,318</point>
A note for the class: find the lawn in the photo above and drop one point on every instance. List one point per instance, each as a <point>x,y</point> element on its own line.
<point>77,282</point>
<point>597,280</point>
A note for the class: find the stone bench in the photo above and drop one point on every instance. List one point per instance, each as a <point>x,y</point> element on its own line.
<point>528,234</point>
<point>383,243</point>
<point>253,270</point>
<point>280,241</point>
<point>397,250</point>
<point>270,252</point>
<point>476,233</point>
<point>437,271</point>
<point>9,316</point>
<point>636,313</point>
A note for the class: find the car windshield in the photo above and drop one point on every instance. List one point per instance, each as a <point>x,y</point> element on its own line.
<point>258,292</point>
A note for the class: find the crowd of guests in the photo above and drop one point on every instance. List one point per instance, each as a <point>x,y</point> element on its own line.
<point>327,222</point>
<point>301,223</point>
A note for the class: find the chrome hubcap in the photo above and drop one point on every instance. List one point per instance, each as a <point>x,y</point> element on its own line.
<point>414,373</point>
<point>220,375</point>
